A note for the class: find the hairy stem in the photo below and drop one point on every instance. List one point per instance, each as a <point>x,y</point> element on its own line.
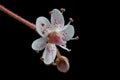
<point>15,16</point>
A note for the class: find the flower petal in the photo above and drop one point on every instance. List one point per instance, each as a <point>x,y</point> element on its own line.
<point>42,24</point>
<point>49,54</point>
<point>39,44</point>
<point>57,19</point>
<point>62,64</point>
<point>68,32</point>
<point>64,47</point>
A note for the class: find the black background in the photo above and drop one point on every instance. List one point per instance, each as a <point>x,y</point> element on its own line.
<point>18,60</point>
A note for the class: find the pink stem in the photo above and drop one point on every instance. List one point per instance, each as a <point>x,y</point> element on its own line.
<point>15,16</point>
<point>20,19</point>
<point>58,54</point>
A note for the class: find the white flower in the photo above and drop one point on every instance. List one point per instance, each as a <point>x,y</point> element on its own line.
<point>54,33</point>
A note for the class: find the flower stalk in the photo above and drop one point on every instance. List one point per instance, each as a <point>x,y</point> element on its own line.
<point>22,20</point>
<point>52,34</point>
<point>15,16</point>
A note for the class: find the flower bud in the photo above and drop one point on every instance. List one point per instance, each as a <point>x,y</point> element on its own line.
<point>62,64</point>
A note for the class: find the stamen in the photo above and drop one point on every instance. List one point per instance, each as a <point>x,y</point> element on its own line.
<point>65,48</point>
<point>71,19</point>
<point>76,38</point>
<point>41,58</point>
<point>62,10</point>
<point>51,12</point>
<point>36,51</point>
<point>69,50</point>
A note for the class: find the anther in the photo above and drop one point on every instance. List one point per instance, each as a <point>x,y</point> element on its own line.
<point>77,37</point>
<point>71,19</point>
<point>41,58</point>
<point>50,12</point>
<point>62,9</point>
<point>69,50</point>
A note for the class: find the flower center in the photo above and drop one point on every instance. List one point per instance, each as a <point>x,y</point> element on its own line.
<point>56,26</point>
<point>54,37</point>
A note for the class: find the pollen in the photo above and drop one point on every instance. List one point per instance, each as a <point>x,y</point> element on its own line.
<point>49,46</point>
<point>56,26</point>
<point>62,9</point>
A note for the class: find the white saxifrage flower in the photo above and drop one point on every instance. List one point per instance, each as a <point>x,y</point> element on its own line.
<point>54,33</point>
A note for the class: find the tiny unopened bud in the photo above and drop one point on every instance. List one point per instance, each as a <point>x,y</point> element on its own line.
<point>62,64</point>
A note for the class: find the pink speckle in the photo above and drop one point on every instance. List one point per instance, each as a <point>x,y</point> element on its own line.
<point>58,21</point>
<point>57,39</point>
<point>42,45</point>
<point>50,50</point>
